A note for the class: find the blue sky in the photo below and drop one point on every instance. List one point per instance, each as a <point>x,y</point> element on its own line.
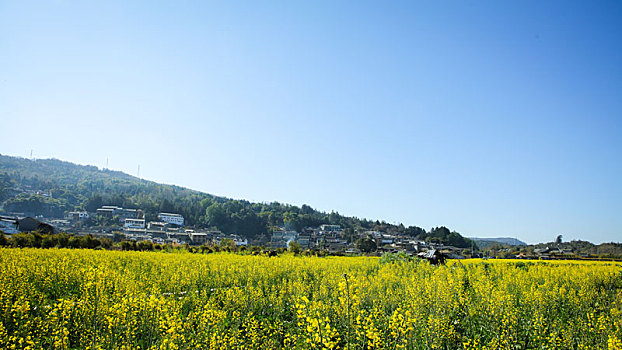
<point>494,118</point>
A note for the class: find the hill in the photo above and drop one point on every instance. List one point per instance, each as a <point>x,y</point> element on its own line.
<point>51,187</point>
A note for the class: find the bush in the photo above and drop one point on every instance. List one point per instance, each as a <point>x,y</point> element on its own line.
<point>106,243</point>
<point>366,245</point>
<point>128,245</point>
<point>144,246</point>
<point>23,240</point>
<point>62,240</point>
<point>89,242</point>
<point>3,240</point>
<point>49,241</point>
<point>295,247</point>
<point>387,258</point>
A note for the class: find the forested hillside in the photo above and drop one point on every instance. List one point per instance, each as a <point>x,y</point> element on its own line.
<point>51,187</point>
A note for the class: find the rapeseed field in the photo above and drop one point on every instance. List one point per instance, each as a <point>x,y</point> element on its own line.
<point>85,299</point>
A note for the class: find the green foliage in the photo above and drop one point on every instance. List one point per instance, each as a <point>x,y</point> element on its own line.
<point>144,246</point>
<point>37,205</point>
<point>62,240</point>
<point>76,187</point>
<point>366,245</point>
<point>443,235</point>
<point>294,247</point>
<point>228,245</point>
<point>389,258</point>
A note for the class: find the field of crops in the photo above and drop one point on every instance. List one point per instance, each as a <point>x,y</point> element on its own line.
<point>63,299</point>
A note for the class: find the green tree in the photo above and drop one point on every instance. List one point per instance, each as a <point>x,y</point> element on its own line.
<point>94,203</point>
<point>366,245</point>
<point>144,246</point>
<point>228,244</point>
<point>294,247</point>
<point>292,221</point>
<point>3,240</point>
<point>215,215</point>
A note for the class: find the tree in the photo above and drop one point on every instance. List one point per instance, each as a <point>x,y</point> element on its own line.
<point>228,244</point>
<point>294,247</point>
<point>366,245</point>
<point>215,215</point>
<point>94,203</point>
<point>292,221</point>
<point>144,245</point>
<point>558,240</point>
<point>305,209</point>
<point>3,240</point>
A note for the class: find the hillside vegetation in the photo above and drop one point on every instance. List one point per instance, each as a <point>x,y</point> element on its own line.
<point>51,187</point>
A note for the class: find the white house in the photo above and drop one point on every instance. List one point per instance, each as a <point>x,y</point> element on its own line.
<point>330,228</point>
<point>198,238</point>
<point>134,223</point>
<point>77,215</point>
<point>240,241</point>
<point>281,239</point>
<point>175,219</point>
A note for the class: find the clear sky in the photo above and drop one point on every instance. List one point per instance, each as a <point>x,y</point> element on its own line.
<point>493,118</point>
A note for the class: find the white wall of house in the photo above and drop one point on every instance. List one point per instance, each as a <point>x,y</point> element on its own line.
<point>134,223</point>
<point>175,219</point>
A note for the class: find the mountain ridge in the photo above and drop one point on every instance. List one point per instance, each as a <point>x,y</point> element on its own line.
<point>52,187</point>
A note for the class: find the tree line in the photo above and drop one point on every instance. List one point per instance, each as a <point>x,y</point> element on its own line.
<point>65,241</point>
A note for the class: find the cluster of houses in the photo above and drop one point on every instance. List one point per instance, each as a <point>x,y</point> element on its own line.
<point>333,239</point>
<point>169,229</point>
<point>548,253</point>
<point>164,235</point>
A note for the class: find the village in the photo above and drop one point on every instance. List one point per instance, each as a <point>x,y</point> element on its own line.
<point>125,224</point>
<point>170,228</point>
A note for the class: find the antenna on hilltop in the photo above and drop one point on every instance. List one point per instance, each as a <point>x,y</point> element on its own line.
<point>138,173</point>
<point>31,154</point>
<point>106,163</point>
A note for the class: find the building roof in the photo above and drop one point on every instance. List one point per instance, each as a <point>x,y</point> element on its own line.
<point>198,233</point>
<point>29,224</point>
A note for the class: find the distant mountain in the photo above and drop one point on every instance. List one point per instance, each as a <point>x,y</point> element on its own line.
<point>484,242</point>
